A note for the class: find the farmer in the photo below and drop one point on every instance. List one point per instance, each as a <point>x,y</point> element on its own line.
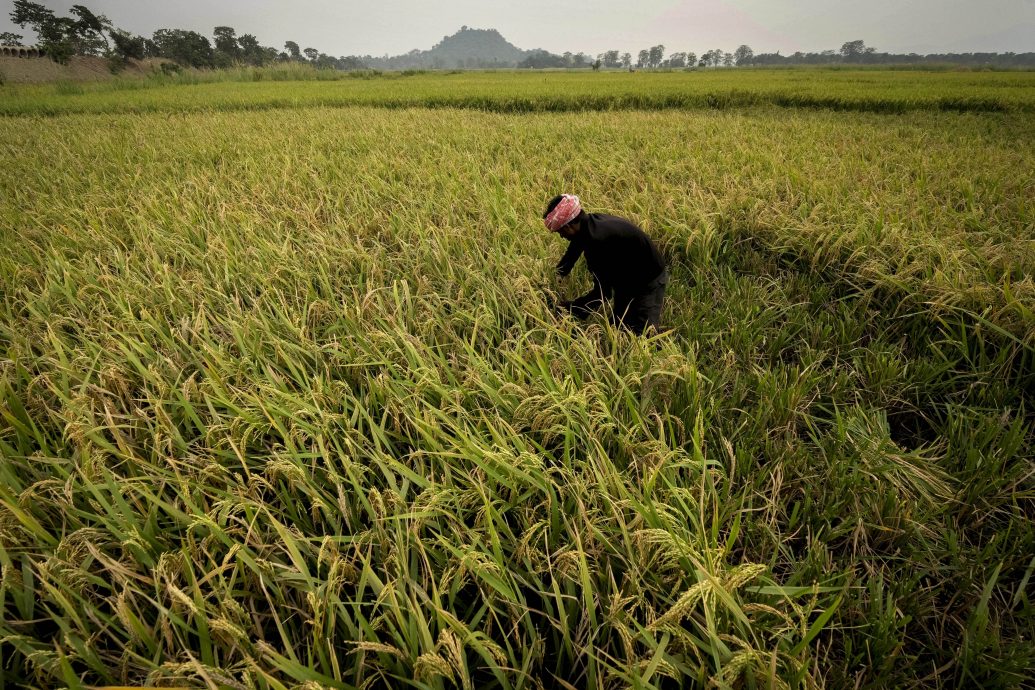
<point>626,266</point>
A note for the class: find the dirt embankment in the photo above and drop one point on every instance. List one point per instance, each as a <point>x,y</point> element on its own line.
<point>80,68</point>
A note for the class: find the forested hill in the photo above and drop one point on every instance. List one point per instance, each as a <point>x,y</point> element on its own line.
<point>467,48</point>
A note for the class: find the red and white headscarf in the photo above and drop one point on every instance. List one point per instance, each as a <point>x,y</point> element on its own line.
<point>563,213</point>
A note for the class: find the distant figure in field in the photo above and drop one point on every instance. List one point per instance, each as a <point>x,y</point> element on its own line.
<point>627,267</point>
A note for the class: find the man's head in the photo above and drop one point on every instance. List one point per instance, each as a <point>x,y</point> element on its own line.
<point>564,215</point>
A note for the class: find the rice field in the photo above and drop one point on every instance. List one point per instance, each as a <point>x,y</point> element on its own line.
<point>865,90</point>
<point>282,404</point>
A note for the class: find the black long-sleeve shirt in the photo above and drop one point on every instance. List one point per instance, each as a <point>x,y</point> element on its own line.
<point>622,259</point>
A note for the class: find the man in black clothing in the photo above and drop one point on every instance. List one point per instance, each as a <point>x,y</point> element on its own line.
<point>627,267</point>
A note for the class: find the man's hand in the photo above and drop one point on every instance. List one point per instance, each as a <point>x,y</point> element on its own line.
<point>555,305</point>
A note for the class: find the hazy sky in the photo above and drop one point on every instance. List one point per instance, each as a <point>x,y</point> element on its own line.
<point>346,27</point>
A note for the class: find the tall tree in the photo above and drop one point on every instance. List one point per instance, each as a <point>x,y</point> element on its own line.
<point>293,50</point>
<point>128,46</point>
<point>627,60</point>
<point>253,53</point>
<point>743,55</point>
<point>657,54</point>
<point>312,54</point>
<point>853,51</point>
<point>227,50</point>
<point>10,39</point>
<point>82,33</point>
<point>691,59</point>
<point>88,31</point>
<point>188,48</point>
<point>32,14</point>
<point>644,59</point>
<point>55,35</point>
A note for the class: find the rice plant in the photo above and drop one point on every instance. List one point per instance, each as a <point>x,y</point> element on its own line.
<point>283,404</point>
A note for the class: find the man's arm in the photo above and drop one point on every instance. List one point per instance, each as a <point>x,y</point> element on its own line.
<point>570,258</point>
<point>588,303</point>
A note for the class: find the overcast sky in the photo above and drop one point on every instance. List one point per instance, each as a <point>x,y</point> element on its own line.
<point>347,27</point>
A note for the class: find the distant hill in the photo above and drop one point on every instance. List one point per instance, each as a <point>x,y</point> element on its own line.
<point>466,49</point>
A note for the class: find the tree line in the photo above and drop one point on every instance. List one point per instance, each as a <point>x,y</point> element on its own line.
<point>86,33</point>
<point>858,53</point>
<point>852,53</point>
<point>648,58</point>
